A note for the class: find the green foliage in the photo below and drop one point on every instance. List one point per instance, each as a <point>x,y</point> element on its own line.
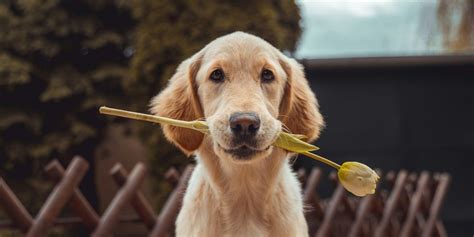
<point>168,33</point>
<point>61,60</point>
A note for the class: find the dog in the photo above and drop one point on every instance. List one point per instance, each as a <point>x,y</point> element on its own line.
<point>248,92</point>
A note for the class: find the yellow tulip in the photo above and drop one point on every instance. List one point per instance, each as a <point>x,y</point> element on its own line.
<point>358,178</point>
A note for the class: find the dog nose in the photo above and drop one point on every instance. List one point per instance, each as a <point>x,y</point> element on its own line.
<point>244,124</point>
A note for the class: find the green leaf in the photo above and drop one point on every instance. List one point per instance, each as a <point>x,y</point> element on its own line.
<point>291,142</point>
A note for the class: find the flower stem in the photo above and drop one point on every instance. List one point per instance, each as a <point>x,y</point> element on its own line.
<point>146,117</point>
<point>321,159</point>
<point>191,125</point>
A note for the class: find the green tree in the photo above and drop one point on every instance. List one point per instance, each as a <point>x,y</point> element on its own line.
<point>61,60</point>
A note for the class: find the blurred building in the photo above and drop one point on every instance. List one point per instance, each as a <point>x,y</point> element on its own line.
<point>412,113</point>
<point>395,89</point>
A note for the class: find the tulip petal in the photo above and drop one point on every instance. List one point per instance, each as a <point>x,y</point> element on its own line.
<point>358,178</point>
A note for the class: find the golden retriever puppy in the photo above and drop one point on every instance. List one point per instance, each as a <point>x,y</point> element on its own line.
<point>247,91</point>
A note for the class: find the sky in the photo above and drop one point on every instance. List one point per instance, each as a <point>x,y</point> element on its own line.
<point>358,28</point>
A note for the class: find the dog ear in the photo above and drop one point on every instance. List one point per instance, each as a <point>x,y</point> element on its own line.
<point>179,100</point>
<point>299,108</point>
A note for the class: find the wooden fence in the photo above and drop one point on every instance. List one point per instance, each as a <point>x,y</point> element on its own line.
<point>407,204</point>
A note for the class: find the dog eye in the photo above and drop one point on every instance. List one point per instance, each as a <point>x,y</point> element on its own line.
<point>217,75</point>
<point>267,75</point>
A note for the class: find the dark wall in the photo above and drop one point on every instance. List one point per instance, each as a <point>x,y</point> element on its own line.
<point>412,113</point>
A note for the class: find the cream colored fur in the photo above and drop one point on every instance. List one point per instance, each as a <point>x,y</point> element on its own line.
<point>259,196</point>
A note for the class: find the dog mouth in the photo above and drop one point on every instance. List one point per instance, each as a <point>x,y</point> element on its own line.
<point>243,152</point>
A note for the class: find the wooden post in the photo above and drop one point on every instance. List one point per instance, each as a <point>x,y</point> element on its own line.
<point>139,202</point>
<point>170,210</point>
<point>78,202</point>
<point>111,216</point>
<point>59,197</point>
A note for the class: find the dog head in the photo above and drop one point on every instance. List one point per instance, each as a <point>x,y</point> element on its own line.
<point>246,90</point>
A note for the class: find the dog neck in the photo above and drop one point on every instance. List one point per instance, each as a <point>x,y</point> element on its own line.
<point>243,191</point>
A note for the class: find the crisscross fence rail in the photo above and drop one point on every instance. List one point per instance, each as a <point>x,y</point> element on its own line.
<point>408,204</point>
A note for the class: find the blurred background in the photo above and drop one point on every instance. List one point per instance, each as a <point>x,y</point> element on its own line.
<point>394,78</point>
